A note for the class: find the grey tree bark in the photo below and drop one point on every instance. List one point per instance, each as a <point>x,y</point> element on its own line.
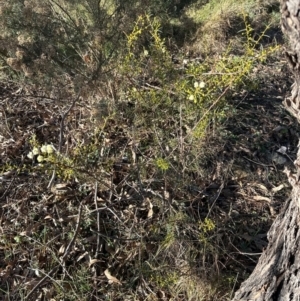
<point>277,274</point>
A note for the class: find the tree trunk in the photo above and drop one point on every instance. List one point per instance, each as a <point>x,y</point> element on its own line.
<point>277,274</point>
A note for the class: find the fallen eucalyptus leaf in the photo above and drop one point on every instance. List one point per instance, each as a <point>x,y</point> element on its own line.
<point>111,279</point>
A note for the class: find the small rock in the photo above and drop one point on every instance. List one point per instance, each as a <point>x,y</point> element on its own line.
<point>279,159</point>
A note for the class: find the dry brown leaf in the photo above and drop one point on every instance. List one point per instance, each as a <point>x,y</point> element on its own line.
<point>85,254</point>
<point>150,212</point>
<point>278,188</point>
<point>161,294</point>
<point>61,250</point>
<point>261,187</point>
<point>92,261</point>
<point>261,198</point>
<point>245,149</point>
<point>272,211</point>
<point>111,279</point>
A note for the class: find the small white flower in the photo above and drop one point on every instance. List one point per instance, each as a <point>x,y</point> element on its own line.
<point>185,62</point>
<point>49,149</point>
<point>191,97</point>
<point>146,53</point>
<point>30,155</point>
<point>40,158</point>
<point>202,85</point>
<point>35,151</point>
<point>196,84</point>
<point>44,149</point>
